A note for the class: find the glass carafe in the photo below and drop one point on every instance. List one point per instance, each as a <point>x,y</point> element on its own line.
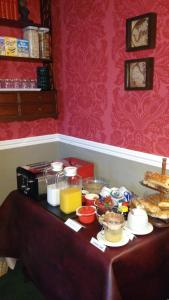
<point>51,177</point>
<point>71,194</point>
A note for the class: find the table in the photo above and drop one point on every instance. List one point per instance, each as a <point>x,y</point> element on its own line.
<point>65,266</point>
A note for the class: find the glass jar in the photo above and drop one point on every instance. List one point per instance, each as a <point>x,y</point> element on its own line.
<point>9,83</point>
<point>44,43</point>
<point>33,83</point>
<point>43,78</point>
<point>52,181</point>
<point>113,224</point>
<point>124,209</point>
<point>17,84</point>
<point>30,33</point>
<point>71,194</point>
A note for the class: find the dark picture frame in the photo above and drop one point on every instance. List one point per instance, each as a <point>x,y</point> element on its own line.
<point>141,32</point>
<point>139,74</point>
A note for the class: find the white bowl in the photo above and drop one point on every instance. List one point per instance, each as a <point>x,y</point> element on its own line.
<point>137,219</point>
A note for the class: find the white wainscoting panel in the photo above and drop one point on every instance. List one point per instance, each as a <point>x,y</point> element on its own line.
<point>23,142</point>
<point>140,157</point>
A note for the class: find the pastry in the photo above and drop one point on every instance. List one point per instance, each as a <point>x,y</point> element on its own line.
<point>164,204</point>
<point>156,205</point>
<point>155,180</point>
<point>163,214</point>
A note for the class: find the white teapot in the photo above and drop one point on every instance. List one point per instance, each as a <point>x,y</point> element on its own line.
<point>137,219</point>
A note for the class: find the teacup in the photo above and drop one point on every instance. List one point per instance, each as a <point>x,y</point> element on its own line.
<point>137,219</point>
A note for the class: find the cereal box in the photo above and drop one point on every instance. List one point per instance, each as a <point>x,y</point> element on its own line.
<point>10,46</point>
<point>22,48</point>
<point>2,46</point>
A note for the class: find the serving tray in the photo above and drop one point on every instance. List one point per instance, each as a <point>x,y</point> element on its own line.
<point>55,210</point>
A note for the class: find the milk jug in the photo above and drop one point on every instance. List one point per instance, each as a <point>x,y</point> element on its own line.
<point>52,180</point>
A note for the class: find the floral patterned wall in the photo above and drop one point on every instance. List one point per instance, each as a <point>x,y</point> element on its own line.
<point>95,104</point>
<point>89,54</point>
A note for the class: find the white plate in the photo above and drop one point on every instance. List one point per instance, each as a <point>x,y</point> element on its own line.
<point>147,230</point>
<point>122,242</point>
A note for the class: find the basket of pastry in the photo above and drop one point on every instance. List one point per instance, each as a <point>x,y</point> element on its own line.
<point>157,208</point>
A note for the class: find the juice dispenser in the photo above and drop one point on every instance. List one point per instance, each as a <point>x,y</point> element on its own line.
<point>71,194</point>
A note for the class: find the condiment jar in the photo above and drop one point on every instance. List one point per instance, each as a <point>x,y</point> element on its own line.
<point>71,195</point>
<point>44,43</point>
<point>30,33</point>
<point>124,209</point>
<point>52,180</point>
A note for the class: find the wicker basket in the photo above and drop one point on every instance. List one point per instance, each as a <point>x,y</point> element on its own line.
<point>3,266</point>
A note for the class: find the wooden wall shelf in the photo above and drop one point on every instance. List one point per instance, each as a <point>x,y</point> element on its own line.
<point>28,59</point>
<point>27,105</point>
<point>17,23</point>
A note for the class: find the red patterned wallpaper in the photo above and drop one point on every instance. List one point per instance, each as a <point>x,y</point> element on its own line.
<point>95,104</point>
<point>89,54</point>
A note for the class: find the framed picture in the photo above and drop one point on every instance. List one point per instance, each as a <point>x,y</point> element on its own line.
<point>141,32</point>
<point>139,74</point>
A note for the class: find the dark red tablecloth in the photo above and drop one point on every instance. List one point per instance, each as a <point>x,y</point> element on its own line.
<point>65,266</point>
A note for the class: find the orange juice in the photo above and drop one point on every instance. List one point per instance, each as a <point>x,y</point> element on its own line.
<point>70,199</point>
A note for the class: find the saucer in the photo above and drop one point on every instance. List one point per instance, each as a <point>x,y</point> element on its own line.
<point>122,242</point>
<point>147,230</point>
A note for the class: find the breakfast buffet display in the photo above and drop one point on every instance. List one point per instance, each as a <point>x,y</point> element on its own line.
<point>73,192</point>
